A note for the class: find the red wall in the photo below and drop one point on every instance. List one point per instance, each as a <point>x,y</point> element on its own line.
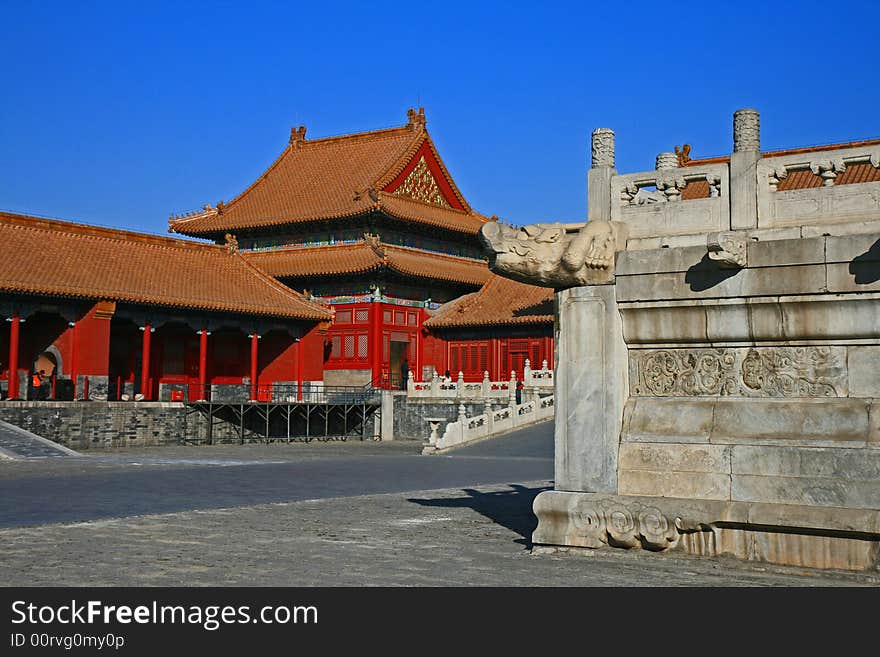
<point>92,344</point>
<point>312,346</point>
<point>278,357</point>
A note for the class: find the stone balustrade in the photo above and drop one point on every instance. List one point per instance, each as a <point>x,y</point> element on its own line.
<point>830,203</point>
<point>651,203</point>
<point>533,382</point>
<point>466,430</point>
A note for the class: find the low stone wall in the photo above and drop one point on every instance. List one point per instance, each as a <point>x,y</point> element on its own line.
<point>410,415</point>
<point>84,425</point>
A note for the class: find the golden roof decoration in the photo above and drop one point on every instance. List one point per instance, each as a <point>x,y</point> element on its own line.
<point>420,185</point>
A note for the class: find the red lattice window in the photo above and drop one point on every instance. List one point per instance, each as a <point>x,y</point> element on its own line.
<point>348,346</point>
<point>362,345</point>
<point>386,316</point>
<point>336,346</point>
<point>361,315</point>
<point>343,317</point>
<point>399,317</point>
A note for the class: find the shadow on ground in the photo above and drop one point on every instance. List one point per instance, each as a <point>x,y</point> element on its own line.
<point>509,508</point>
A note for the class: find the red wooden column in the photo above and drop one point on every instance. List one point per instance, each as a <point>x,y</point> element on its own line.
<point>73,355</point>
<point>203,364</point>
<point>299,369</point>
<point>255,342</point>
<point>375,342</point>
<point>13,355</point>
<point>494,359</point>
<point>145,362</point>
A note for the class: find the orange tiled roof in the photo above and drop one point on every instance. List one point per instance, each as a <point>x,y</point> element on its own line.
<point>854,173</point>
<point>368,256</point>
<point>332,178</point>
<point>58,258</point>
<point>499,302</point>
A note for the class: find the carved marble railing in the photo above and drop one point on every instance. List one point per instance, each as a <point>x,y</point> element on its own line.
<point>541,379</point>
<point>469,429</point>
<point>830,203</point>
<point>437,388</point>
<point>651,205</point>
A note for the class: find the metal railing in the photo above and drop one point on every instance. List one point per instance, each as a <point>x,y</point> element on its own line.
<point>277,393</point>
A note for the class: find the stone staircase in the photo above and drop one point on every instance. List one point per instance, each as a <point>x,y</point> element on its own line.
<point>16,443</point>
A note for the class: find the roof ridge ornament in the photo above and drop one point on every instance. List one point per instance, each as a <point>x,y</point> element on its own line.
<point>231,243</point>
<point>416,119</point>
<point>373,242</point>
<point>297,135</point>
<point>683,155</point>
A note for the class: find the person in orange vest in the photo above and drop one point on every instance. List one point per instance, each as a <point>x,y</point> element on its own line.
<point>37,384</point>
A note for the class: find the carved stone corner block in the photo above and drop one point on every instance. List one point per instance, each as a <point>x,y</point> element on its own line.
<point>728,249</point>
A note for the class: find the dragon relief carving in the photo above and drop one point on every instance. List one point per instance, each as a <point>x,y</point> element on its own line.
<point>753,372</point>
<point>554,255</point>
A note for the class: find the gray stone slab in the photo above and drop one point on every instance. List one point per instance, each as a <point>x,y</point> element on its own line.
<point>829,317</point>
<point>832,422</point>
<point>687,485</point>
<point>814,517</point>
<point>810,491</point>
<point>668,457</point>
<point>673,323</point>
<point>659,260</point>
<point>728,322</point>
<point>854,277</point>
<point>779,253</point>
<point>711,282</point>
<point>599,192</point>
<point>874,424</point>
<point>847,248</point>
<point>591,380</point>
<point>863,364</point>
<point>837,463</point>
<point>743,189</point>
<point>669,420</point>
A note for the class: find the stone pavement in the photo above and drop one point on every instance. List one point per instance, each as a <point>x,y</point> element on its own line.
<point>450,537</point>
<point>473,530</point>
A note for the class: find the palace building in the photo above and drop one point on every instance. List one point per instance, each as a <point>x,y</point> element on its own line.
<point>107,313</point>
<point>373,225</point>
<point>497,329</point>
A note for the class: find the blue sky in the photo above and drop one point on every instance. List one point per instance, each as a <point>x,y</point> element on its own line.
<point>121,113</point>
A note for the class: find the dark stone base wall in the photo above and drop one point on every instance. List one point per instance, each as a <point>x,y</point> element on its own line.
<point>410,414</point>
<point>84,425</point>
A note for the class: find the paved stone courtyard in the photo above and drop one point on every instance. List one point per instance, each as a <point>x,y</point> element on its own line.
<point>331,514</point>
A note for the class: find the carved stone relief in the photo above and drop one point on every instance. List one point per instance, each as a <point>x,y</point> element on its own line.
<point>631,525</point>
<point>739,372</point>
<point>746,130</point>
<point>602,146</point>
